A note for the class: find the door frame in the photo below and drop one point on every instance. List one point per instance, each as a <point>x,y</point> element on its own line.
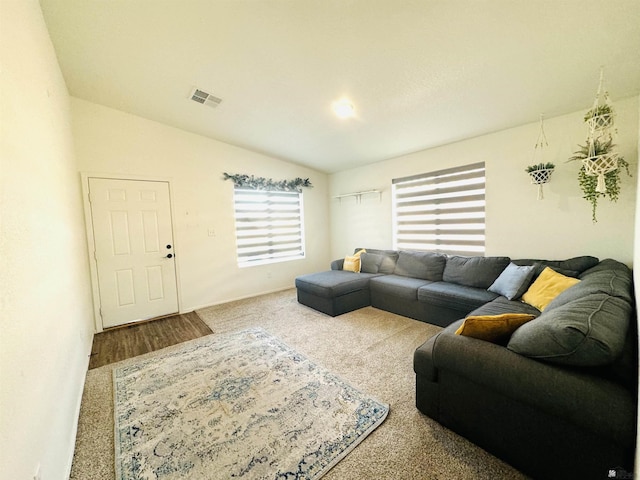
<point>88,219</point>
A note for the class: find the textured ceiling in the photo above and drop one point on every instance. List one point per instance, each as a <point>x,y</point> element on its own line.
<point>420,73</point>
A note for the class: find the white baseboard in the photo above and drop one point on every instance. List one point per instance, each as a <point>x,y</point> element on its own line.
<point>281,289</point>
<point>76,416</point>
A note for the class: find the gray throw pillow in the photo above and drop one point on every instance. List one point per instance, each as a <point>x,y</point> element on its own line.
<point>513,281</point>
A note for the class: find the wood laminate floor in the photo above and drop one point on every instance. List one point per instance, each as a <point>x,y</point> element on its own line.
<point>129,341</point>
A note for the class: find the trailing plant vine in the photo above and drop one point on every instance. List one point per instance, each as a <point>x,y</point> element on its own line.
<point>588,183</point>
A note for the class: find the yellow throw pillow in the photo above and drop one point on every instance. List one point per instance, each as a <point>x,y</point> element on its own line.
<point>547,286</point>
<point>493,328</point>
<point>352,262</point>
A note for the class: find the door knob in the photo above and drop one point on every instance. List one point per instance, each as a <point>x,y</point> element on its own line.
<point>169,256</point>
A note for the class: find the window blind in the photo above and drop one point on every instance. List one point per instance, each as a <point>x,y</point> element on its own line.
<point>442,211</point>
<point>269,226</point>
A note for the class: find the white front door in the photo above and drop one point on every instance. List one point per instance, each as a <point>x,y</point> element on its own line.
<point>134,252</point>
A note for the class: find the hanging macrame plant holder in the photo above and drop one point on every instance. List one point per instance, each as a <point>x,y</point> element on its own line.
<point>599,166</point>
<point>600,123</point>
<point>540,176</point>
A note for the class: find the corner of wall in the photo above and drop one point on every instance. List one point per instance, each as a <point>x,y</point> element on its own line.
<point>46,306</point>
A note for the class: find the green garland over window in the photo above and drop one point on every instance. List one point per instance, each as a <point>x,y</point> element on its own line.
<point>261,183</point>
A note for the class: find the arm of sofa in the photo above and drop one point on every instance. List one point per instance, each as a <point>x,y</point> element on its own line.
<point>594,402</point>
<point>337,264</point>
<point>423,356</point>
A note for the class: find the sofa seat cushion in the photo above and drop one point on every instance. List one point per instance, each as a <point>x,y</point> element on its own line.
<point>479,272</point>
<point>461,298</point>
<point>333,283</point>
<point>501,305</point>
<point>398,286</point>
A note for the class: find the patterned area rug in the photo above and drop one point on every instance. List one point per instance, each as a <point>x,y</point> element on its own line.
<point>240,405</point>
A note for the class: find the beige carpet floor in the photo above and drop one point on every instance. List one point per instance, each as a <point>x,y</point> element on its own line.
<point>369,348</point>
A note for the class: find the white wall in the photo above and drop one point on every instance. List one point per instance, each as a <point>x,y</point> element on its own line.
<point>111,141</point>
<point>517,224</point>
<point>45,307</point>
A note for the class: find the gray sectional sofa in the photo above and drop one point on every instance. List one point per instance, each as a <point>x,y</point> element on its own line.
<point>557,399</point>
<point>430,287</point>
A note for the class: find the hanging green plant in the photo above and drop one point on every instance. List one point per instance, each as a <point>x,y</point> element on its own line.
<point>598,111</point>
<point>540,174</point>
<point>261,183</point>
<point>589,182</point>
<point>540,166</point>
<point>600,147</point>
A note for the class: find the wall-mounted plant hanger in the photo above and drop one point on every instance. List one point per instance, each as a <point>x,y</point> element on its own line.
<point>540,172</point>
<point>599,174</point>
<point>359,195</point>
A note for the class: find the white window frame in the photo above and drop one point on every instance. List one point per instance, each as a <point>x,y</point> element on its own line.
<point>269,226</point>
<point>441,211</point>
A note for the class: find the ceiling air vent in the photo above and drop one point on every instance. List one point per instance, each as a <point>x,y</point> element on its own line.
<point>205,98</point>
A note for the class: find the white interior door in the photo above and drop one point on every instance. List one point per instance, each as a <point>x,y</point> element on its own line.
<point>134,252</point>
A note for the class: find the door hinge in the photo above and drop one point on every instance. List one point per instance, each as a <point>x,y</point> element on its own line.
<point>95,256</point>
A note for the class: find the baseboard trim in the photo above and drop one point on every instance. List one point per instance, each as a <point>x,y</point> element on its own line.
<point>76,416</point>
<point>281,289</point>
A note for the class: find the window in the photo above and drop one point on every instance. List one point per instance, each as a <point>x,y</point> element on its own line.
<point>269,226</point>
<point>441,211</point>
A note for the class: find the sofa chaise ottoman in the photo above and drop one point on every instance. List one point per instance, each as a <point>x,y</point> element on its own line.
<point>334,292</point>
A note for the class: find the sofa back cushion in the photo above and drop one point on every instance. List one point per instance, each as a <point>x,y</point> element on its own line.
<point>425,265</point>
<point>588,331</point>
<point>479,272</point>
<point>571,267</point>
<point>586,325</point>
<point>379,261</point>
<point>609,276</point>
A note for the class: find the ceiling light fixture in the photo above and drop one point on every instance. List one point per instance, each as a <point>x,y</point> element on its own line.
<point>344,108</point>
